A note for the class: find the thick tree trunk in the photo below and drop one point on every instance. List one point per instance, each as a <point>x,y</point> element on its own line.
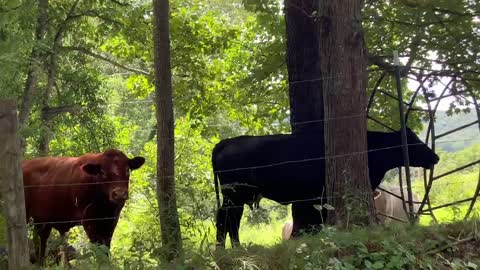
<point>169,221</point>
<point>303,63</point>
<point>343,60</point>
<point>12,187</point>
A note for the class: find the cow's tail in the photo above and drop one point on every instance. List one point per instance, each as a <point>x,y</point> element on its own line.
<point>217,191</point>
<point>216,180</point>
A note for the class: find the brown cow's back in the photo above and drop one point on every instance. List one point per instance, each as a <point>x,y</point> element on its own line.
<point>53,186</point>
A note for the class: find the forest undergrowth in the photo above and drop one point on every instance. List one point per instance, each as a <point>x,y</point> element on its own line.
<point>397,246</point>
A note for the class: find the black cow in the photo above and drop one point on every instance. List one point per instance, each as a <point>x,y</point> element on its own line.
<point>287,168</point>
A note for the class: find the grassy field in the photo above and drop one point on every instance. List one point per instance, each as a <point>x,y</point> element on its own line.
<point>451,245</point>
<point>445,246</point>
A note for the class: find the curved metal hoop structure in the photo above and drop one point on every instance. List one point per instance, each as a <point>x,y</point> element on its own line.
<point>431,104</point>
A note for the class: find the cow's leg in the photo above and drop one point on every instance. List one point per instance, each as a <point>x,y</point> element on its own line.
<point>298,220</point>
<point>41,234</point>
<point>234,218</point>
<point>61,256</point>
<point>99,223</point>
<point>306,219</point>
<point>100,232</point>
<point>221,224</point>
<point>228,221</point>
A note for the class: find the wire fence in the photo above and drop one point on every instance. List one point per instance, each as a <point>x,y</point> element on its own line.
<point>289,123</point>
<point>441,73</point>
<point>320,121</point>
<point>249,167</point>
<point>314,199</point>
<point>318,199</point>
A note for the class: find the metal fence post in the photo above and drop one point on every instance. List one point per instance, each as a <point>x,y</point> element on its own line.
<point>403,126</point>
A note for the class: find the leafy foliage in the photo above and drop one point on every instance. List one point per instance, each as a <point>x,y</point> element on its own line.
<point>229,78</point>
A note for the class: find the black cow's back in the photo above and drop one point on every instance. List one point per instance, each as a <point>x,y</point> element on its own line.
<point>283,167</point>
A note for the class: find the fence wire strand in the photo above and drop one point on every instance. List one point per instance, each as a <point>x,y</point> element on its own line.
<point>250,167</point>
<point>314,199</point>
<point>318,199</point>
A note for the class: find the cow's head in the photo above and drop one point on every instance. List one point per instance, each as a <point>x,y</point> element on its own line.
<point>376,194</point>
<point>420,155</point>
<point>112,170</point>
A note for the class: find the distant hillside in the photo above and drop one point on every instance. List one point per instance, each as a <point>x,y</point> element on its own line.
<point>458,140</point>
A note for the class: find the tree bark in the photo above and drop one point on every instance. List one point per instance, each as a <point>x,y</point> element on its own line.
<point>46,128</point>
<point>303,64</point>
<point>169,221</point>
<point>46,124</point>
<point>12,187</point>
<point>33,69</point>
<point>105,59</point>
<point>343,60</point>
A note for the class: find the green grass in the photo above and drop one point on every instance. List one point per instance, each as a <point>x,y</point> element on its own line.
<point>3,234</point>
<point>392,247</point>
<point>440,246</point>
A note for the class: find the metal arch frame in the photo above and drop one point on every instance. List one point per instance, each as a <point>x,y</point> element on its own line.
<point>429,176</point>
<point>477,109</point>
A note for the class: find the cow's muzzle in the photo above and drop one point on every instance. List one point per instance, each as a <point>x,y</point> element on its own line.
<point>119,195</point>
<point>435,160</point>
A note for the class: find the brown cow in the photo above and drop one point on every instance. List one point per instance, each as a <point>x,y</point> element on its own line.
<point>90,190</point>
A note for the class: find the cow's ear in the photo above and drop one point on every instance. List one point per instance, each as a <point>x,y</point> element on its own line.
<point>92,169</point>
<point>136,162</point>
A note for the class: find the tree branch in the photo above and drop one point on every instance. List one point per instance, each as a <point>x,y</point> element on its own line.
<point>456,13</point>
<point>449,245</point>
<point>380,62</point>
<point>49,113</point>
<point>33,69</point>
<point>413,24</point>
<point>95,14</point>
<point>120,3</point>
<point>52,68</point>
<point>6,10</point>
<point>104,58</point>
<point>414,47</point>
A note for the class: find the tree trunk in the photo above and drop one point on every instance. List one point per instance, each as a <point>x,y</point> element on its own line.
<point>12,187</point>
<point>45,138</point>
<point>169,221</point>
<point>33,69</point>
<point>343,60</point>
<point>303,64</point>
<point>46,123</point>
<point>46,120</point>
